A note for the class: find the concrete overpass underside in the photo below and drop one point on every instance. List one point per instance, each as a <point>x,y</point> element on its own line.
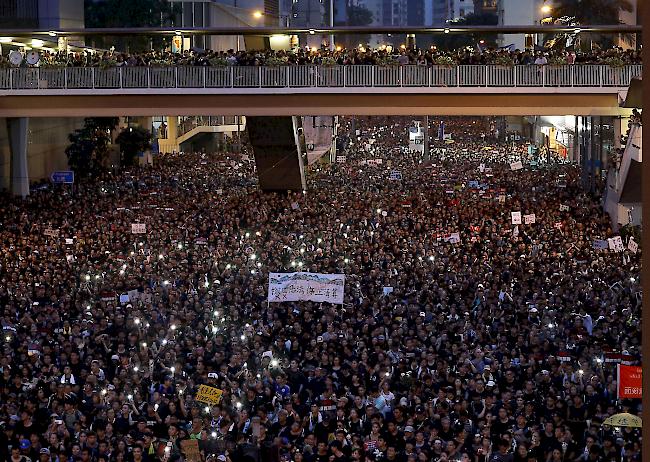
<point>330,103</point>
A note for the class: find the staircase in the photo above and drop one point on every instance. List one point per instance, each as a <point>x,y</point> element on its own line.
<point>623,197</point>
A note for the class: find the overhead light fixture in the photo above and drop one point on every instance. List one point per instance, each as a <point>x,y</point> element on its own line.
<point>446,30</point>
<point>576,30</point>
<point>257,14</point>
<point>36,43</point>
<point>312,31</point>
<point>51,33</point>
<point>178,32</point>
<point>5,39</point>
<point>546,9</point>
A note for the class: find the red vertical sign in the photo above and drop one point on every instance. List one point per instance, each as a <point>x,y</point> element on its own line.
<point>629,381</point>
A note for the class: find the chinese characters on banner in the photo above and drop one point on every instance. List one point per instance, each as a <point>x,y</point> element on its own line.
<point>629,379</point>
<point>208,395</point>
<point>138,228</point>
<point>315,287</point>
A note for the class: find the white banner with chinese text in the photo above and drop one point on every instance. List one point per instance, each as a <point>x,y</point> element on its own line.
<point>315,287</point>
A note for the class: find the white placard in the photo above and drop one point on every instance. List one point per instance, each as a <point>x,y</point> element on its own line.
<point>516,166</point>
<point>69,241</point>
<point>454,238</point>
<point>51,232</point>
<point>133,294</point>
<point>501,198</point>
<point>516,218</point>
<point>124,298</point>
<point>529,219</point>
<point>615,244</point>
<point>564,208</point>
<point>600,244</point>
<point>379,161</point>
<point>340,159</point>
<point>138,228</point>
<point>632,246</point>
<point>315,287</point>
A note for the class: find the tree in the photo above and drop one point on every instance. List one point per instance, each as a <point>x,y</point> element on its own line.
<point>129,13</point>
<point>592,13</point>
<point>457,41</point>
<point>132,141</point>
<point>88,150</point>
<point>355,16</point>
<point>359,16</point>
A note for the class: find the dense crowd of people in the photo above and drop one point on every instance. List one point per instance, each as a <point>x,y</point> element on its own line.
<point>379,56</point>
<point>462,337</point>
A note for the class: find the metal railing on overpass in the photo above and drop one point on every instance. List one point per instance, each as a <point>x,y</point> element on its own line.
<point>312,76</point>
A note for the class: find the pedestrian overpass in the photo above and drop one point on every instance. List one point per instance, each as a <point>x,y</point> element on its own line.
<point>286,92</point>
<point>314,89</point>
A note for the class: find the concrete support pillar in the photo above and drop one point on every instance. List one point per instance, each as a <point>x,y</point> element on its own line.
<point>427,155</point>
<point>17,129</point>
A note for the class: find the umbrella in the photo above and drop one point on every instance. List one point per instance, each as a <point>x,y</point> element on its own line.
<point>623,420</point>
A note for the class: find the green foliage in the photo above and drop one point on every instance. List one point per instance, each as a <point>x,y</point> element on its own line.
<point>557,60</point>
<point>614,61</point>
<point>356,16</point>
<point>218,62</point>
<point>446,61</point>
<point>592,12</point>
<point>504,60</point>
<point>129,13</point>
<point>359,16</point>
<point>458,41</point>
<point>88,150</point>
<point>387,61</point>
<point>133,140</point>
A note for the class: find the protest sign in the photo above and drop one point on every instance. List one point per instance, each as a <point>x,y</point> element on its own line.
<point>138,228</point>
<point>632,246</point>
<point>315,287</point>
<point>529,219</point>
<point>599,244</point>
<point>190,449</point>
<point>51,232</point>
<point>454,238</point>
<point>615,244</point>
<point>516,218</point>
<point>208,395</point>
<point>564,208</point>
<point>501,198</point>
<point>395,175</point>
<point>516,166</point>
<point>133,295</point>
<point>341,159</point>
<point>629,380</point>
<point>387,290</point>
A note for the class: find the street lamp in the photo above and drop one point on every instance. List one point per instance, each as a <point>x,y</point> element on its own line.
<point>257,14</point>
<point>546,9</point>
